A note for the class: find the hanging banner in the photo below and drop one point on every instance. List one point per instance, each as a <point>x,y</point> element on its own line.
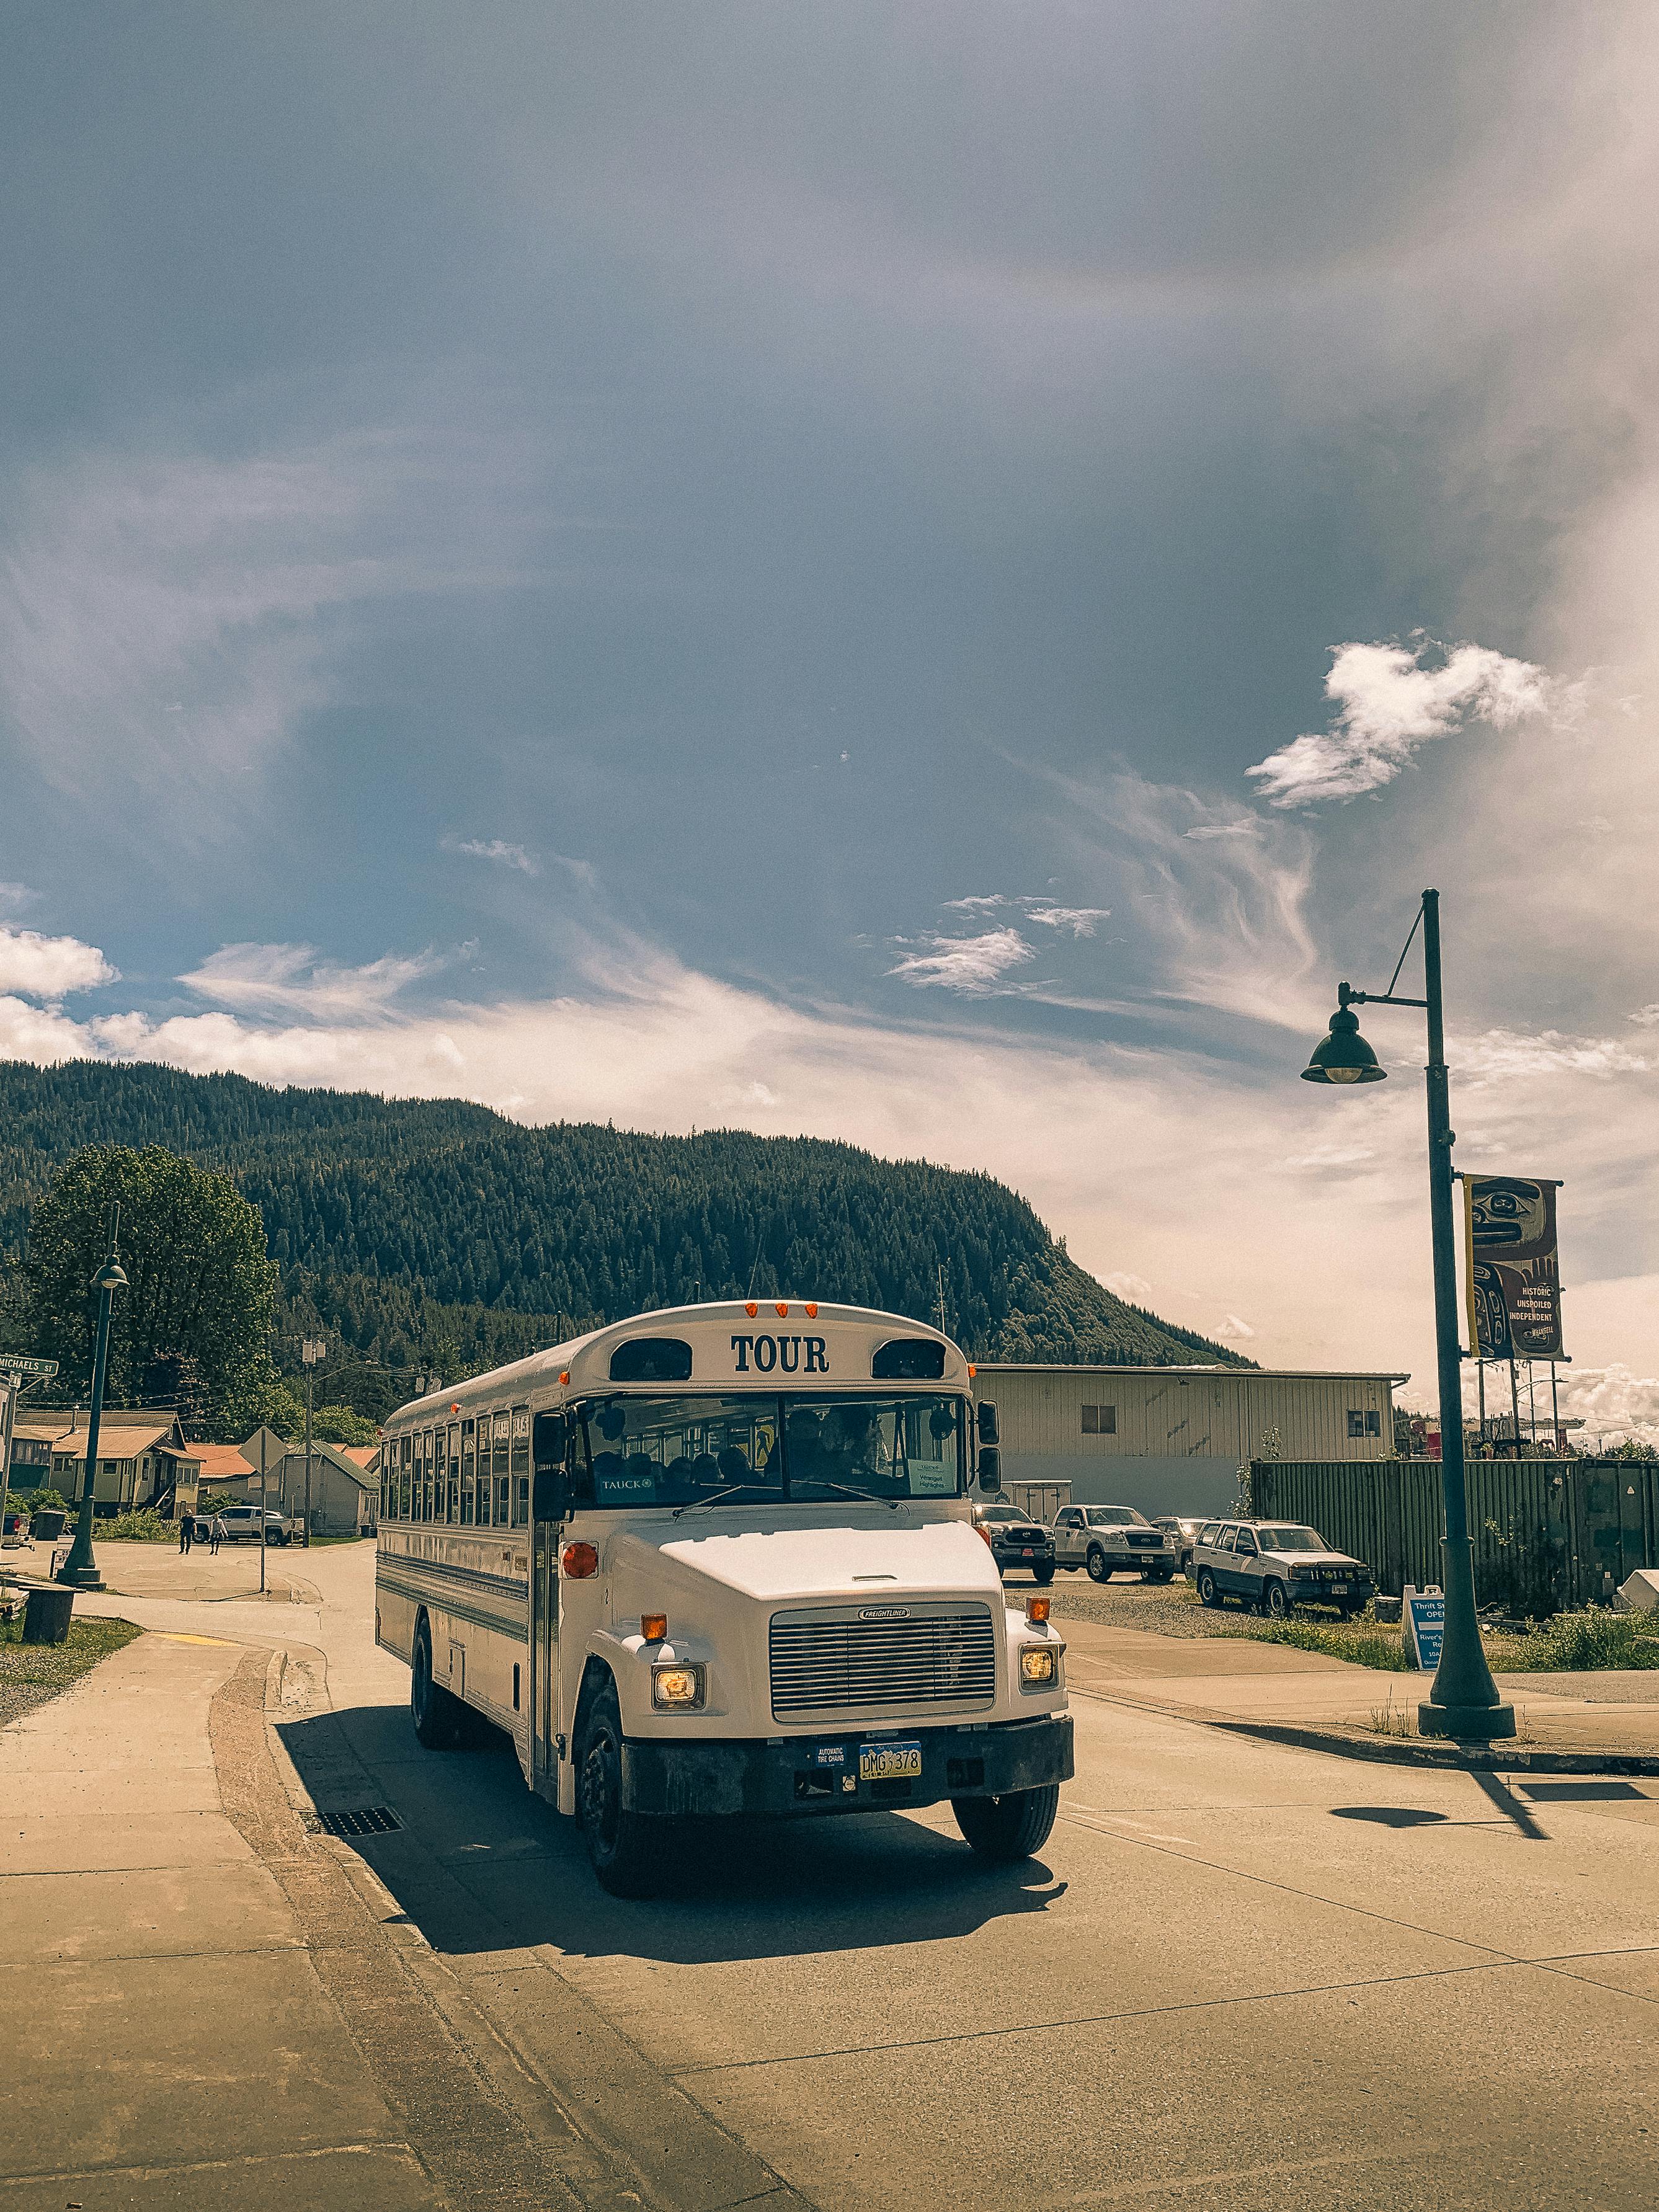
<point>1514,1279</point>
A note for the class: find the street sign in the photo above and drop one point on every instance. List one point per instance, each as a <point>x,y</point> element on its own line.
<point>1425,1615</point>
<point>15,1363</point>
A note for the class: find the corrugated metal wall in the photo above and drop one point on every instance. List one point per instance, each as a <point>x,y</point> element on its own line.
<point>1163,1413</point>
<point>1547,1533</point>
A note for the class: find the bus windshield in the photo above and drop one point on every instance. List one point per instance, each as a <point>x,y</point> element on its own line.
<point>758,1450</point>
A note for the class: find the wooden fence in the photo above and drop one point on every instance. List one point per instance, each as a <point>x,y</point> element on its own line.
<point>1549,1533</point>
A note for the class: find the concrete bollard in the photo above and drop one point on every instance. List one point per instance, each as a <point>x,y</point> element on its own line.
<point>46,1616</point>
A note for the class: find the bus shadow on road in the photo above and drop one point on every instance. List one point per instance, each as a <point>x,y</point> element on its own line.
<point>478,1864</point>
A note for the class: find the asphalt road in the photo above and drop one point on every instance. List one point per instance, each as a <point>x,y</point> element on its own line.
<point>1239,1975</point>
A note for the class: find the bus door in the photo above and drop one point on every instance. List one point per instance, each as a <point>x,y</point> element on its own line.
<point>548,1492</point>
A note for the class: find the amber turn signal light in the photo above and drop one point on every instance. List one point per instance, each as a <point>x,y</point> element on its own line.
<point>653,1626</point>
<point>1037,1608</point>
<point>579,1561</point>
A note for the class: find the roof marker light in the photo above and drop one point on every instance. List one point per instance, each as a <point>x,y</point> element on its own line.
<point>783,1310</point>
<point>751,1309</point>
<point>812,1309</point>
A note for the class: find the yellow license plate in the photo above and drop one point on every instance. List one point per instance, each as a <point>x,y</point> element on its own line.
<point>889,1762</point>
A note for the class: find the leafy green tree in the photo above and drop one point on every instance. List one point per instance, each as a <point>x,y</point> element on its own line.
<point>199,1286</point>
<point>338,1424</point>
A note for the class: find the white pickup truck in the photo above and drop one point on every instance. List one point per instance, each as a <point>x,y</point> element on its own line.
<point>239,1524</point>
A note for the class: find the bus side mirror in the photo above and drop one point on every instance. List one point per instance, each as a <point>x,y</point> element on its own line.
<point>988,1424</point>
<point>551,1497</point>
<point>990,1468</point>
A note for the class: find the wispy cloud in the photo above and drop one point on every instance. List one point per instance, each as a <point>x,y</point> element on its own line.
<point>1500,1054</point>
<point>497,850</point>
<point>1388,704</point>
<point>167,621</point>
<point>14,898</point>
<point>275,979</point>
<point>1080,921</point>
<point>50,967</point>
<point>971,965</point>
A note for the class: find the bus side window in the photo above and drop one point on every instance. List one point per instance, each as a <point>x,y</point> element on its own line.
<point>468,1440</point>
<point>454,1512</point>
<point>406,1473</point>
<point>484,1488</point>
<point>521,1514</point>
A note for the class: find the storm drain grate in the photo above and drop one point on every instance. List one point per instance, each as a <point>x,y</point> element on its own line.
<point>369,1820</point>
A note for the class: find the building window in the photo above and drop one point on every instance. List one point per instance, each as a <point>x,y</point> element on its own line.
<point>1100,1420</point>
<point>1365,1425</point>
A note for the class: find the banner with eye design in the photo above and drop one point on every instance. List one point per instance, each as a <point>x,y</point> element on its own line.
<point>1514,1278</point>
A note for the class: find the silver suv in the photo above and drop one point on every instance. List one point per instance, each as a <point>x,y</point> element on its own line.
<point>1108,1539</point>
<point>1275,1565</point>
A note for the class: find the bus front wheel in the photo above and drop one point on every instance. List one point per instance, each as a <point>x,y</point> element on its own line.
<point>1008,1828</point>
<point>440,1718</point>
<point>623,1848</point>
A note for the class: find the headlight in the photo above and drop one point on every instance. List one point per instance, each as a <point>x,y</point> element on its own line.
<point>1039,1665</point>
<point>677,1689</point>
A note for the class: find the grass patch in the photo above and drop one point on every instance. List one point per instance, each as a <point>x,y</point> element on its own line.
<point>1570,1643</point>
<point>32,1672</point>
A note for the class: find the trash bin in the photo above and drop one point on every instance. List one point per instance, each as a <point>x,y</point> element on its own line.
<point>49,1525</point>
<point>46,1615</point>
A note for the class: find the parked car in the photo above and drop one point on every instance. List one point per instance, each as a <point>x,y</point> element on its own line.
<point>240,1524</point>
<point>1108,1539</point>
<point>1016,1540</point>
<point>1184,1527</point>
<point>1276,1566</point>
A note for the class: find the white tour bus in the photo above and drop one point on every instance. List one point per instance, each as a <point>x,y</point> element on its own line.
<point>719,1560</point>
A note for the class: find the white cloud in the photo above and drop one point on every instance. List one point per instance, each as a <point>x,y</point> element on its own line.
<point>972,965</point>
<point>1614,1403</point>
<point>50,967</point>
<point>1388,704</point>
<point>275,979</point>
<point>1232,1329</point>
<point>15,896</point>
<point>496,849</point>
<point>1500,1054</point>
<point>1080,920</point>
<point>1647,1017</point>
<point>1134,1289</point>
<point>1250,827</point>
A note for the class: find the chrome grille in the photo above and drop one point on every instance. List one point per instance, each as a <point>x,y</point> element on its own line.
<point>946,1656</point>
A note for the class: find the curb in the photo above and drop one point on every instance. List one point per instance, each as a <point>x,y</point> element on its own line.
<point>1409,1751</point>
<point>1397,1751</point>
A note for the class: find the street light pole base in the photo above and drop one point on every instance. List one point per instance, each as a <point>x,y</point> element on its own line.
<point>1482,1722</point>
<point>80,1577</point>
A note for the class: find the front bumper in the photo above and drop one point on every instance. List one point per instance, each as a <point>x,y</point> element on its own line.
<point>1022,1555</point>
<point>785,1776</point>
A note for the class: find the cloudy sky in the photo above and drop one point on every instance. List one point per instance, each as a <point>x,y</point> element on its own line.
<point>930,573</point>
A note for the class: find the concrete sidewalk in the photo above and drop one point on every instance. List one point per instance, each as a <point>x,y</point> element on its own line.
<point>1241,1683</point>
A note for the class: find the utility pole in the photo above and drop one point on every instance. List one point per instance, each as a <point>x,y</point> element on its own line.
<point>940,1276</point>
<point>265,1545</point>
<point>314,1349</point>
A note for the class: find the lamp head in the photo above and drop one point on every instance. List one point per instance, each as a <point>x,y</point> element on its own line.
<point>110,1277</point>
<point>1344,1056</point>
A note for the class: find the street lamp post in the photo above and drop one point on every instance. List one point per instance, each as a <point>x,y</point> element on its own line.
<point>1464,1700</point>
<point>311,1350</point>
<point>80,1570</point>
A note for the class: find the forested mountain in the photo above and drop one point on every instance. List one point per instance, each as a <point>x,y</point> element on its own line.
<point>431,1233</point>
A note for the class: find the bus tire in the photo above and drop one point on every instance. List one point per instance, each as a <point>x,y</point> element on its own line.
<point>440,1718</point>
<point>1009,1827</point>
<point>623,1848</point>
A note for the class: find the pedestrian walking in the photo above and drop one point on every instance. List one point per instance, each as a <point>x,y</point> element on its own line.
<point>186,1531</point>
<point>215,1531</point>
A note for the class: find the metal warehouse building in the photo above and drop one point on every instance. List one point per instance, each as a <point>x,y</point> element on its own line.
<point>1172,1439</point>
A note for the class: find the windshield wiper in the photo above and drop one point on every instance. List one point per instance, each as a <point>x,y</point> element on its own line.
<point>713,1500</point>
<point>848,1491</point>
